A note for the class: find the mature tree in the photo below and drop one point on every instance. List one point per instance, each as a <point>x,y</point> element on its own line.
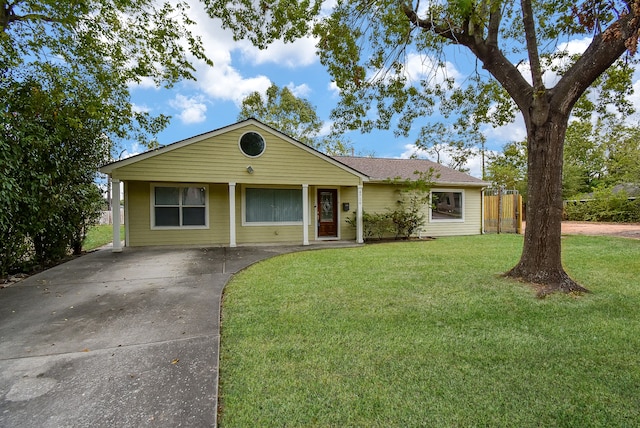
<point>448,146</point>
<point>367,46</point>
<point>508,169</point>
<point>294,116</point>
<point>622,160</point>
<point>583,158</point>
<point>600,154</point>
<point>112,44</point>
<point>66,68</point>
<point>51,142</point>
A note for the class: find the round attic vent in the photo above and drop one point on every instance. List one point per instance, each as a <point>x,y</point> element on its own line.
<point>252,144</point>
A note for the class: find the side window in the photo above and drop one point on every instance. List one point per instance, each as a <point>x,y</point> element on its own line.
<point>447,205</point>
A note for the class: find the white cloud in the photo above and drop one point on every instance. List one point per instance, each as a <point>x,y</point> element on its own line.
<point>333,89</point>
<point>577,46</point>
<point>192,110</point>
<point>135,149</point>
<point>300,53</point>
<point>300,91</point>
<point>420,67</point>
<point>326,129</point>
<point>514,131</point>
<point>137,108</point>
<point>226,82</point>
<point>145,83</point>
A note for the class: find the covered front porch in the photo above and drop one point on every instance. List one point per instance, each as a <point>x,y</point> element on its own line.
<point>233,214</point>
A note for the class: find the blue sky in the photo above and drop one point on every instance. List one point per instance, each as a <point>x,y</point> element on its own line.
<point>213,100</point>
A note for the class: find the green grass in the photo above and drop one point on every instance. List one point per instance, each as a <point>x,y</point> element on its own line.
<point>428,334</point>
<point>100,235</point>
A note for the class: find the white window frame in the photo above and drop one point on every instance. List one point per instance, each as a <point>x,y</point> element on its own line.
<point>180,186</point>
<point>264,149</point>
<point>447,220</point>
<point>268,223</point>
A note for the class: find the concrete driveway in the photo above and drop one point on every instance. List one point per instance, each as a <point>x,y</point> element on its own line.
<point>117,339</point>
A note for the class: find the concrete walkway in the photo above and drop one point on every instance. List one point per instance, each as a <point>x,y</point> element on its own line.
<point>118,339</point>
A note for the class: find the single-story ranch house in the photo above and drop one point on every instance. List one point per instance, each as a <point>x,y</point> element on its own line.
<point>247,183</point>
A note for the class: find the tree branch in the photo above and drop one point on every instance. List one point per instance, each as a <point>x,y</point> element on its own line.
<point>8,16</point>
<point>457,37</point>
<point>532,45</point>
<point>488,52</point>
<point>495,17</point>
<point>603,52</point>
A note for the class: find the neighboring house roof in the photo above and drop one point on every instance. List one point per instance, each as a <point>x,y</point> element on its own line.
<point>382,169</point>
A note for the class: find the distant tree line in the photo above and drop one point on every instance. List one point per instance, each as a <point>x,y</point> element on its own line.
<point>601,171</point>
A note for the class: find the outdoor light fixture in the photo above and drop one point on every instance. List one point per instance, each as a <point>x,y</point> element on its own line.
<point>250,169</point>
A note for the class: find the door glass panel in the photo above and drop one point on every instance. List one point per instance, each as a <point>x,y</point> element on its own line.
<point>326,206</point>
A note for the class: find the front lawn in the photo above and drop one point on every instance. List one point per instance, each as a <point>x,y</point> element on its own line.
<point>100,235</point>
<point>427,334</point>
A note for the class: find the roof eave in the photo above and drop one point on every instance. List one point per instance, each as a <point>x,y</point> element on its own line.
<point>436,183</point>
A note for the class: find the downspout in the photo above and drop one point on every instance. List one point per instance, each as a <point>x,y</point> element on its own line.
<point>482,210</point>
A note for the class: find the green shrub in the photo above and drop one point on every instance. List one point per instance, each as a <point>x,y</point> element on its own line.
<point>374,225</point>
<point>605,205</point>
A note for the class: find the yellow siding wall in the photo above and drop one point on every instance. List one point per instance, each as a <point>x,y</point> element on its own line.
<point>219,159</point>
<point>378,198</point>
<point>349,195</point>
<point>472,217</point>
<point>139,217</point>
<point>141,234</point>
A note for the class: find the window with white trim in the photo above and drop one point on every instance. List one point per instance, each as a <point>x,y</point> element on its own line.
<point>447,205</point>
<point>252,144</point>
<point>269,205</point>
<point>179,206</point>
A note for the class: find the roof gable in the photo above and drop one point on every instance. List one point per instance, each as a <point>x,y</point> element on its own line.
<point>248,123</point>
<point>382,169</point>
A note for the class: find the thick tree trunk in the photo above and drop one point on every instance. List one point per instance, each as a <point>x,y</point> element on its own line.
<point>541,261</point>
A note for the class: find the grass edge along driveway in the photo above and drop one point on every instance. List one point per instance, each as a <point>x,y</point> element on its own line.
<point>429,334</point>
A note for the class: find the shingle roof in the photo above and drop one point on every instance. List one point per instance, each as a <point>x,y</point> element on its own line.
<point>380,169</point>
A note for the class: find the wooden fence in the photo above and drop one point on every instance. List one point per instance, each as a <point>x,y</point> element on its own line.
<point>106,217</point>
<point>503,213</point>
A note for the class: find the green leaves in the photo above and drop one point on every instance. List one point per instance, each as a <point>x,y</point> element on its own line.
<point>291,115</point>
<point>105,45</point>
<point>51,145</point>
<point>264,21</point>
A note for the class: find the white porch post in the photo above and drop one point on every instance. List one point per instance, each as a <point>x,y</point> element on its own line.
<point>115,214</point>
<point>305,214</point>
<point>359,234</point>
<point>232,215</point>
